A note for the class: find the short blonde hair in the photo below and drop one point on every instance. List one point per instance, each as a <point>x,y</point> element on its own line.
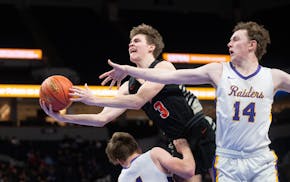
<point>152,37</point>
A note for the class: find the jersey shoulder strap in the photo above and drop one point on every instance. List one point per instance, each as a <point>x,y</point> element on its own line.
<point>134,84</point>
<point>154,63</point>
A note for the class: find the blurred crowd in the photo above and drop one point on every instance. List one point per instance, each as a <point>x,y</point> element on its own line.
<point>68,160</point>
<point>78,160</point>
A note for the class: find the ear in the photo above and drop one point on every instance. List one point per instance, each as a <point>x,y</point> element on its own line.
<point>139,150</point>
<point>152,47</point>
<point>121,162</point>
<point>253,45</point>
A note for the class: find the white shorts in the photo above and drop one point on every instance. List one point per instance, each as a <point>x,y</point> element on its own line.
<point>257,168</point>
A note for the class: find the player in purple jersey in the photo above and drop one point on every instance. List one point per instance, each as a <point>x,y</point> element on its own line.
<point>155,165</point>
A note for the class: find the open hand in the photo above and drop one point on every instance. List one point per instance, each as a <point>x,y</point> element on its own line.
<point>116,75</point>
<point>84,95</point>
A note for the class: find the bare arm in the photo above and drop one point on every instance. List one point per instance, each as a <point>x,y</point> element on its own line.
<point>145,93</point>
<point>182,167</point>
<point>281,80</point>
<point>98,120</point>
<point>207,74</point>
<point>128,101</point>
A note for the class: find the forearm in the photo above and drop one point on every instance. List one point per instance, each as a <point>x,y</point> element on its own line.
<point>184,167</point>
<point>188,157</point>
<point>83,119</point>
<point>188,163</point>
<point>152,74</point>
<point>120,101</point>
<point>165,76</point>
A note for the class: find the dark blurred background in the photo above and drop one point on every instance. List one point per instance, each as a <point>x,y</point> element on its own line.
<point>77,37</point>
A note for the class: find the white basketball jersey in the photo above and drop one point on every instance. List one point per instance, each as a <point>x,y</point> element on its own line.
<point>244,109</point>
<point>142,169</point>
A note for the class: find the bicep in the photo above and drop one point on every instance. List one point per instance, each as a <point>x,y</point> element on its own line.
<point>109,113</point>
<point>168,162</point>
<point>206,74</point>
<point>148,90</point>
<point>145,93</point>
<point>281,80</point>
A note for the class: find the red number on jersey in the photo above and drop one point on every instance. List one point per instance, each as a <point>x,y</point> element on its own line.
<point>162,109</point>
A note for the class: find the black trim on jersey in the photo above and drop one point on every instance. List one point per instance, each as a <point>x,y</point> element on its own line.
<point>180,102</point>
<point>170,179</point>
<point>154,63</point>
<point>185,120</point>
<point>193,122</point>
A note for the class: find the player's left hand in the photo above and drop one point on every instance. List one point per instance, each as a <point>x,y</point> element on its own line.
<point>180,144</point>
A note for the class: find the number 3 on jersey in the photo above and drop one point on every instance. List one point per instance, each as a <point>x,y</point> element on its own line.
<point>249,111</point>
<point>162,109</point>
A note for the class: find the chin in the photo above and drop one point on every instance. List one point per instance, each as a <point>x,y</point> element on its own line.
<point>134,59</point>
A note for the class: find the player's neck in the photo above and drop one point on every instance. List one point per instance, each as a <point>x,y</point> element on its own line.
<point>130,159</point>
<point>246,67</point>
<point>145,62</point>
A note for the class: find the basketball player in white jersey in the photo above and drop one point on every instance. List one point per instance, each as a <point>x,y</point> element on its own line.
<point>244,91</point>
<point>155,165</point>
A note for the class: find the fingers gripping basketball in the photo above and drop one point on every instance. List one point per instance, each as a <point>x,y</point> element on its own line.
<point>54,90</point>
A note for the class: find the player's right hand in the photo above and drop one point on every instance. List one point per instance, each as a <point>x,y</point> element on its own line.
<point>116,75</point>
<point>48,110</point>
<point>180,144</point>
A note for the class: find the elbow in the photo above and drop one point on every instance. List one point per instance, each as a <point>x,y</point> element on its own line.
<point>102,121</point>
<point>189,175</point>
<point>189,172</point>
<point>101,124</point>
<point>136,105</point>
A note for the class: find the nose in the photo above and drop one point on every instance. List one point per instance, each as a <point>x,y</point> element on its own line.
<point>130,44</point>
<point>229,44</point>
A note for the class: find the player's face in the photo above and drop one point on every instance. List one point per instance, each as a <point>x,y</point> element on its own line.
<point>239,45</point>
<point>138,48</point>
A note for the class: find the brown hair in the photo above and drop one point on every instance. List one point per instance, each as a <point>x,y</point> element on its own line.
<point>256,32</point>
<point>121,146</point>
<point>152,37</point>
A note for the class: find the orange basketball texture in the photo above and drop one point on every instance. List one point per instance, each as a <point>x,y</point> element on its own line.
<point>54,90</point>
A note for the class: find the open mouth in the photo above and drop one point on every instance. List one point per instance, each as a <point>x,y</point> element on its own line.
<point>132,50</point>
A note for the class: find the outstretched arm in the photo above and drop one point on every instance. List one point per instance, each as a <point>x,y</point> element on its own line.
<point>201,75</point>
<point>184,167</point>
<point>97,120</point>
<point>123,99</point>
<point>84,95</point>
<point>115,75</point>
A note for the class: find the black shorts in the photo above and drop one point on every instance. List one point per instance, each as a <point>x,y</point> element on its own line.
<point>201,139</point>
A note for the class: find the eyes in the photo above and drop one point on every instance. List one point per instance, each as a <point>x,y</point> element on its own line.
<point>135,40</point>
<point>234,39</point>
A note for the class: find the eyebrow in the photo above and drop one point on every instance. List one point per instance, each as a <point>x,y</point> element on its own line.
<point>234,37</point>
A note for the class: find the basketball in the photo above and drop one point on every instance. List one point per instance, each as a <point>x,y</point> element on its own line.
<point>54,90</point>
